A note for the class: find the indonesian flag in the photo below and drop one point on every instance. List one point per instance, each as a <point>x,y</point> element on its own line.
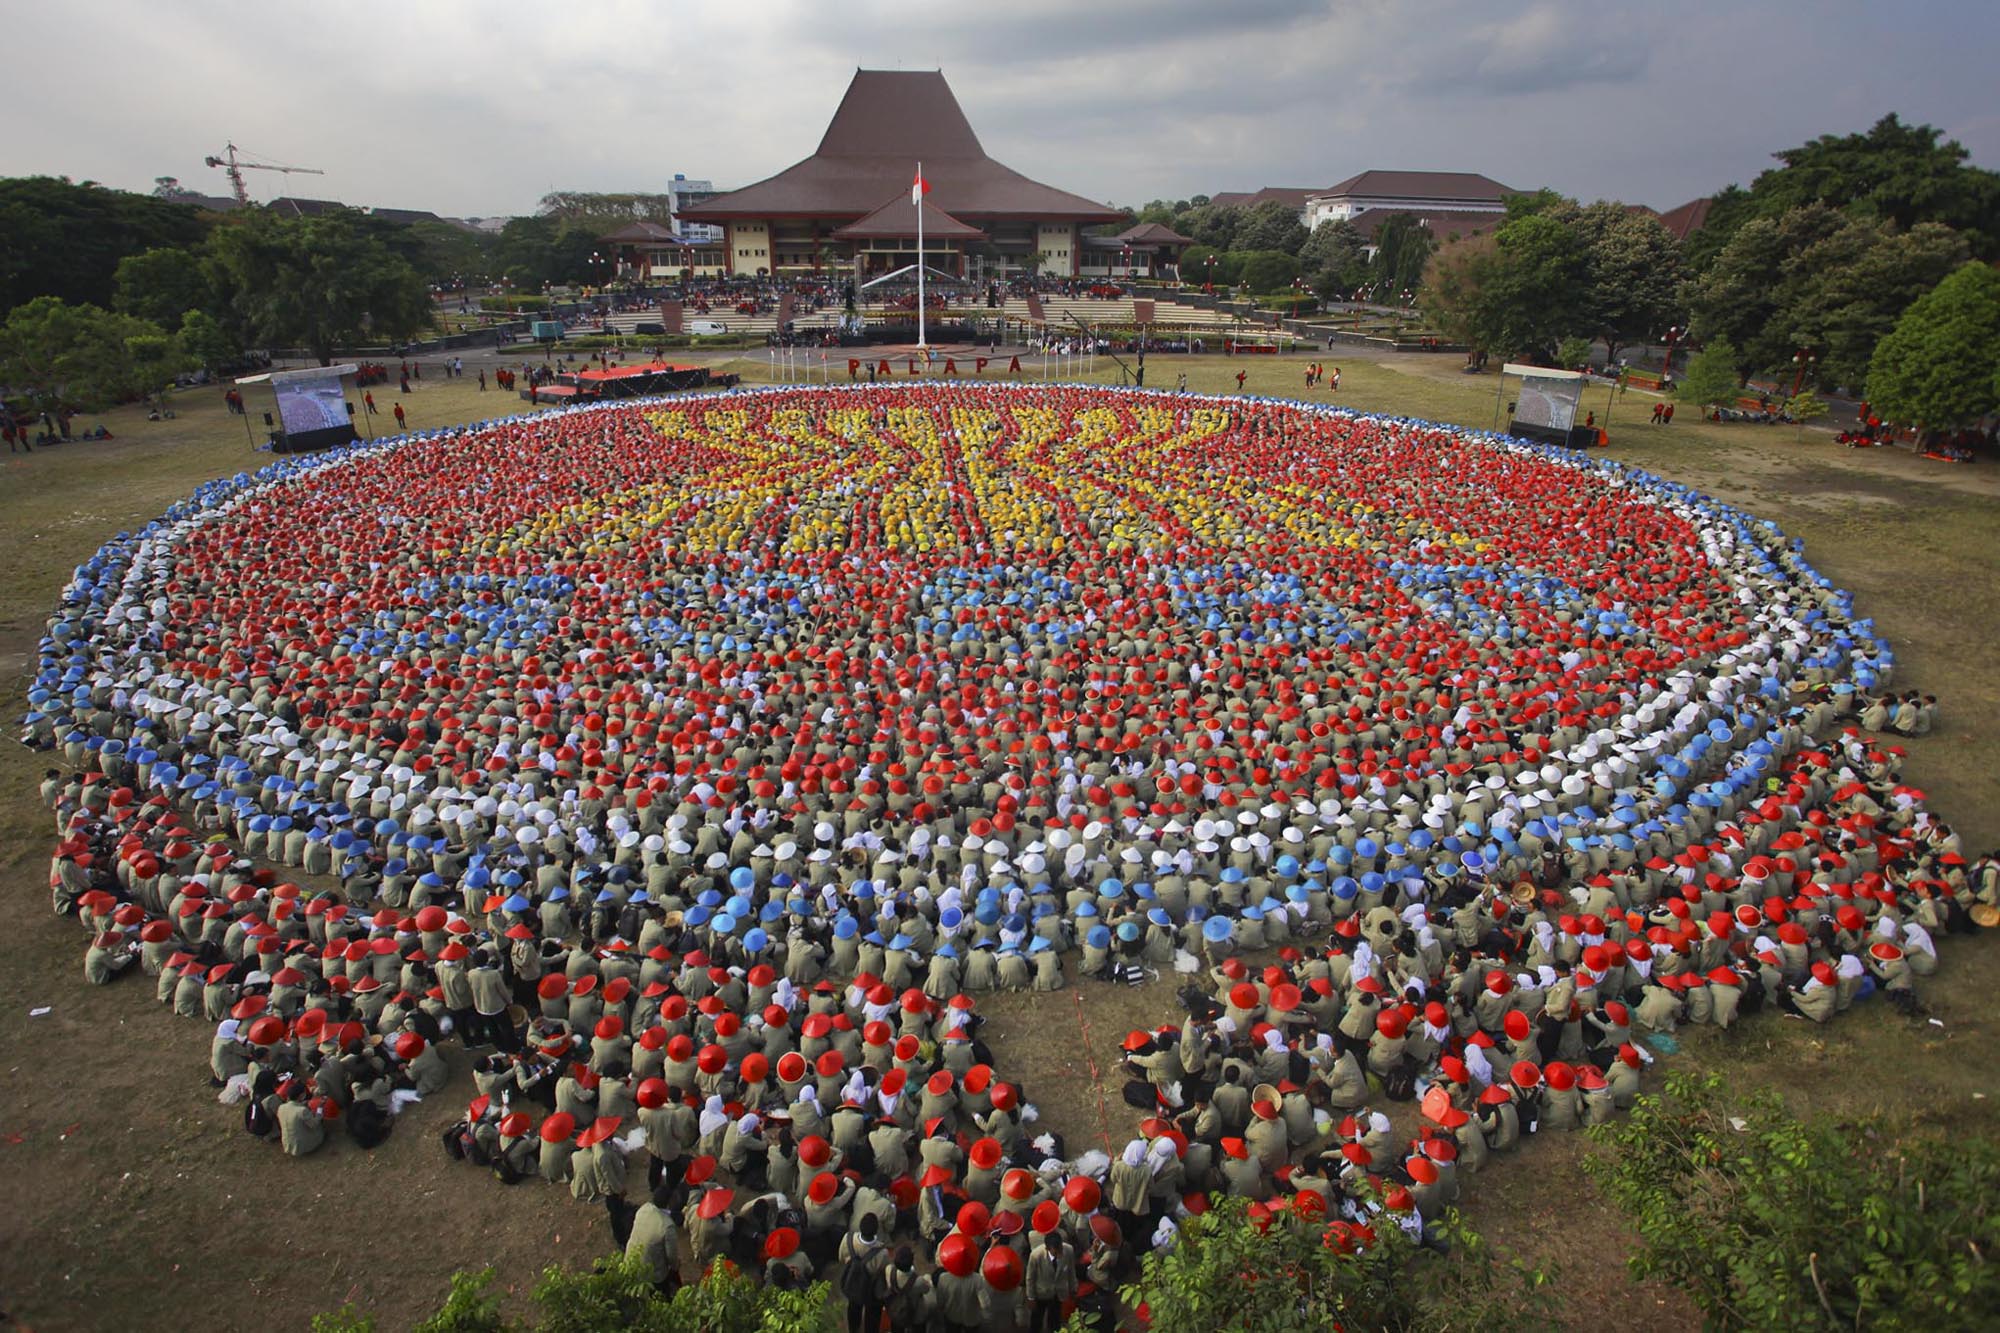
<point>919,187</point>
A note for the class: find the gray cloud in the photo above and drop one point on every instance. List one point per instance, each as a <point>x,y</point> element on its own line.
<point>479,108</point>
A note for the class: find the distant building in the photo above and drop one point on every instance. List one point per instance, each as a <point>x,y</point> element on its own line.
<point>641,250</point>
<point>847,208</point>
<point>1688,219</point>
<point>1292,196</point>
<point>403,216</point>
<point>682,194</point>
<point>1444,195</point>
<point>285,206</point>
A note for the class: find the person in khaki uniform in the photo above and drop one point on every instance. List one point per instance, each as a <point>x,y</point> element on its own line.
<point>655,1240</point>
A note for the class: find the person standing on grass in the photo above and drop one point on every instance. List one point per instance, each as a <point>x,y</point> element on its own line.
<point>401,421</point>
<point>482,381</point>
<point>369,399</point>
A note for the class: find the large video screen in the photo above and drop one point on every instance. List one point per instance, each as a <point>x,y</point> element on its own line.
<point>310,402</point>
<point>1549,403</point>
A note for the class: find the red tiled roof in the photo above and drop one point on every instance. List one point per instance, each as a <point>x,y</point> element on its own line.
<point>1289,195</point>
<point>1152,233</point>
<point>896,220</point>
<point>1440,185</point>
<point>1688,219</point>
<point>887,122</point>
<point>641,230</point>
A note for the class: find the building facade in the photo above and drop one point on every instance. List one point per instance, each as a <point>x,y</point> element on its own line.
<point>1420,193</point>
<point>847,210</point>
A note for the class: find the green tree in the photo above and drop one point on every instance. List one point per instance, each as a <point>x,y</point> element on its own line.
<point>1742,297</point>
<point>1403,247</point>
<point>320,283</point>
<point>1940,367</point>
<point>1573,352</point>
<point>163,285</point>
<point>1770,1222</point>
<point>448,252</point>
<point>1334,260</point>
<point>1267,271</point>
<point>605,212</point>
<point>81,357</point>
<point>1533,293</point>
<point>61,239</point>
<point>206,342</point>
<point>1195,269</point>
<point>1454,290</point>
<point>1212,225</point>
<point>1843,295</point>
<point>1632,272</point>
<point>1711,376</point>
<point>1896,173</point>
<point>1271,225</point>
<point>1804,408</point>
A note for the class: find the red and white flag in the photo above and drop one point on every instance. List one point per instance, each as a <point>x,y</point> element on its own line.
<point>919,187</point>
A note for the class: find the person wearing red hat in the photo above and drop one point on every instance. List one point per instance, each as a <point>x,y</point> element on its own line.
<point>710,1224</point>
<point>1050,1279</point>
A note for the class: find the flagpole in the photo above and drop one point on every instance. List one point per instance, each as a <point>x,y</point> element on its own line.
<point>920,257</point>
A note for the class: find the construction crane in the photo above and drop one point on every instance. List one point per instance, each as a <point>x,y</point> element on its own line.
<point>235,166</point>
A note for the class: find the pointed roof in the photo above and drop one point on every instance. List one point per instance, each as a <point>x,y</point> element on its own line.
<point>888,121</point>
<point>1688,219</point>
<point>896,220</point>
<point>1152,233</point>
<point>1292,196</point>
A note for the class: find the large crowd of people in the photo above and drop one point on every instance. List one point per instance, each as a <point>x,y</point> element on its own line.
<point>699,766</point>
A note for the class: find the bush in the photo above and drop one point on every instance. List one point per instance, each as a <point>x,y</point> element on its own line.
<point>616,1294</point>
<point>1573,353</point>
<point>1228,1272</point>
<point>1711,376</point>
<point>1789,1224</point>
<point>1268,270</point>
<point>514,303</point>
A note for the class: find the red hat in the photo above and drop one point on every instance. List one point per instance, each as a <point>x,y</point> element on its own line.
<point>515,1124</point>
<point>712,1059</point>
<point>1391,1023</point>
<point>1525,1074</point>
<point>1516,1025</point>
<point>1885,951</point>
<point>559,1127</point>
<point>652,1093</point>
<point>934,1175</point>
<point>1497,1095</point>
<point>1001,1268</point>
<point>409,1045</point>
<point>815,1151</point>
<point>1499,982</point>
<point>957,1255</point>
<point>824,1186</point>
<point>700,1170</point>
<point>974,1217</point>
<point>1264,1110</point>
<point>939,1083</point>
<point>985,1153</point>
<point>1047,1217</point>
<point>1002,1096</point>
<point>1082,1194</point>
<point>830,1064</point>
<point>1725,976</point>
<point>1422,1170</point>
<point>1825,973</point>
<point>791,1067</point>
<point>1018,1183</point>
<point>781,1244</point>
<point>1560,1076</point>
<point>714,1203</point>
<point>977,1078</point>
<point>610,1026</point>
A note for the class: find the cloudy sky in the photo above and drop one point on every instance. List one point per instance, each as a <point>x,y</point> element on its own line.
<point>479,109</point>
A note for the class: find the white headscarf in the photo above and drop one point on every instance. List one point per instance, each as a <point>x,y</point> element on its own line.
<point>713,1117</point>
<point>1135,1152</point>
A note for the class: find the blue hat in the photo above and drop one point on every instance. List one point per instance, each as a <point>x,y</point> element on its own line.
<point>901,941</point>
<point>1253,912</point>
<point>1086,908</point>
<point>558,893</point>
<point>1099,937</point>
<point>1216,929</point>
<point>743,877</point>
<point>947,951</point>
<point>1040,945</point>
<point>846,928</point>
<point>756,940</point>
<point>1158,916</point>
<point>515,903</point>
<point>1128,930</point>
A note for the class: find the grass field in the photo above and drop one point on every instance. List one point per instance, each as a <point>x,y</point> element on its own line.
<point>132,1197</point>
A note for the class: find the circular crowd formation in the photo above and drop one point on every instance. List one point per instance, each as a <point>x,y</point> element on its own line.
<point>950,688</point>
